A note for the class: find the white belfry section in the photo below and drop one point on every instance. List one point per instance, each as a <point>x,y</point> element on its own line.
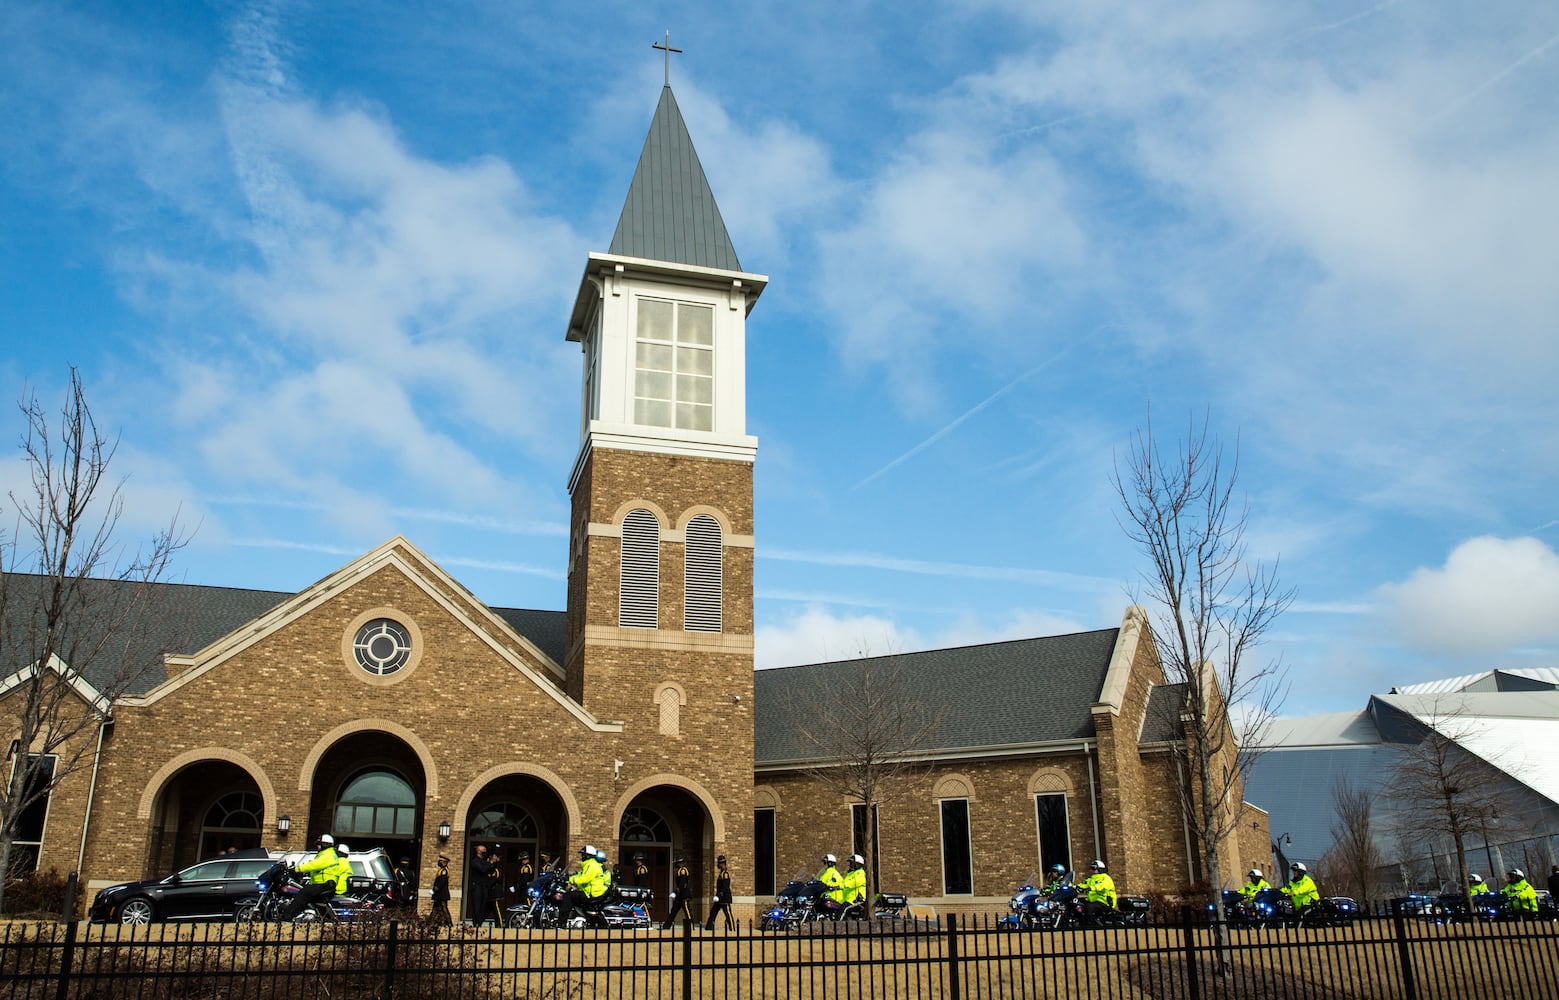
<point>607,325</point>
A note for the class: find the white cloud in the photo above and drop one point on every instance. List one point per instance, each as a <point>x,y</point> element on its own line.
<point>817,635</point>
<point>1492,595</point>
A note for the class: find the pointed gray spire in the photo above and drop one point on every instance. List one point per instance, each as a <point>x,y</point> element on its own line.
<point>671,214</point>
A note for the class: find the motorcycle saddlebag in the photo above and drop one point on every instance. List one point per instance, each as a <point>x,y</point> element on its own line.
<point>1133,904</point>
<point>634,893</point>
<point>892,900</point>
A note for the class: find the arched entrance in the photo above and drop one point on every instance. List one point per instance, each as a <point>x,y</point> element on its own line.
<point>516,813</point>
<point>205,809</point>
<point>664,823</point>
<point>369,790</point>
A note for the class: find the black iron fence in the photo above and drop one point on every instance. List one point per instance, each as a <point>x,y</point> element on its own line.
<point>1384,958</point>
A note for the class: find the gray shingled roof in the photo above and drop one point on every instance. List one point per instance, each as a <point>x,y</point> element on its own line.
<point>1002,694</point>
<point>1161,721</point>
<point>182,618</point>
<point>670,213</point>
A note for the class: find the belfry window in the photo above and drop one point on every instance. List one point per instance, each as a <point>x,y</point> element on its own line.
<point>674,374</point>
<point>638,604</point>
<point>702,580</point>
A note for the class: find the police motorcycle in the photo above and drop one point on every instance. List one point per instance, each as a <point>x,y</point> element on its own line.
<point>805,900</point>
<point>1267,908</point>
<point>794,904</point>
<point>1073,911</point>
<point>281,882</point>
<point>540,905</point>
<point>1028,907</point>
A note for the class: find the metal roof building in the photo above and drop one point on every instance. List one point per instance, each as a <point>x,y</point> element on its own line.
<point>1508,719</point>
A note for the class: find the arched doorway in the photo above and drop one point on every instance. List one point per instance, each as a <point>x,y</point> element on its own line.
<point>369,790</point>
<point>663,823</point>
<point>516,813</point>
<point>203,810</point>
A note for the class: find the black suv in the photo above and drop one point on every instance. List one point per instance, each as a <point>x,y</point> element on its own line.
<point>213,890</point>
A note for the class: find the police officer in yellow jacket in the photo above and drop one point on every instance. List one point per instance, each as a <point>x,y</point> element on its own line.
<point>1301,889</point>
<point>1519,894</point>
<point>328,873</point>
<point>586,885</point>
<point>1255,883</point>
<point>852,887</point>
<point>1098,889</point>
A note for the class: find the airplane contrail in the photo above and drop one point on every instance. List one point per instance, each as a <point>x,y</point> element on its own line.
<point>948,429</point>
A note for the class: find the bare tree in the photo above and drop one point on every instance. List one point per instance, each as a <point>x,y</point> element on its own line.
<point>1210,607</point>
<point>865,725</point>
<point>1350,865</point>
<point>1442,791</point>
<point>72,605</point>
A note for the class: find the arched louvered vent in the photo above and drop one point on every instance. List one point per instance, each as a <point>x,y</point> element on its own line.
<point>703,600</point>
<point>638,603</point>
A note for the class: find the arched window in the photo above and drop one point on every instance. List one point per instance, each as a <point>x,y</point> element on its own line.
<point>377,803</point>
<point>644,826</point>
<point>638,603</point>
<point>232,821</point>
<point>703,596</point>
<point>504,821</point>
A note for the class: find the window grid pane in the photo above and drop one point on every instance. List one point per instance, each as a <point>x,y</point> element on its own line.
<point>674,364</point>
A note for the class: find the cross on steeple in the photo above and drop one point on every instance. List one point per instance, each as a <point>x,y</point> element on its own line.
<point>668,50</point>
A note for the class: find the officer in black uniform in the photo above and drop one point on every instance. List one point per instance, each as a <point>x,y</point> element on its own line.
<point>495,888</point>
<point>681,893</point>
<point>722,896</point>
<point>641,871</point>
<point>406,885</point>
<point>440,914</point>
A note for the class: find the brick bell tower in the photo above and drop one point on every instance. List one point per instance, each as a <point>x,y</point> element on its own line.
<point>660,593</point>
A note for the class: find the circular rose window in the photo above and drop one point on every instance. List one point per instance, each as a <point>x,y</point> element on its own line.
<point>382,646</point>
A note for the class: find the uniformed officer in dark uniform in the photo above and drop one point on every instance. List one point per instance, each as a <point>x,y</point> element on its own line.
<point>641,871</point>
<point>681,893</point>
<point>440,913</point>
<point>722,896</point>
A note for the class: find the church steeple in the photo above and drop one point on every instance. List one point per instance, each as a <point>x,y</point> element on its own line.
<point>660,562</point>
<point>670,214</point>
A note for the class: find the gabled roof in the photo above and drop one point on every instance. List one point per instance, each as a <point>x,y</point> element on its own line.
<point>176,618</point>
<point>670,214</point>
<point>1001,695</point>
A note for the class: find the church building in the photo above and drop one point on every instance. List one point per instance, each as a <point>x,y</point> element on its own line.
<point>389,706</point>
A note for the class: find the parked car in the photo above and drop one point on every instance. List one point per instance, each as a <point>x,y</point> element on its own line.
<point>214,889</point>
<point>209,890</point>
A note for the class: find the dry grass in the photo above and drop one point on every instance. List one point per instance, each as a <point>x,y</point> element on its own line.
<point>186,962</point>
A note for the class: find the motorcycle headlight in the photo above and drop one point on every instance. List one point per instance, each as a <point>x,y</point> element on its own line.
<point>262,886</point>
<point>534,893</point>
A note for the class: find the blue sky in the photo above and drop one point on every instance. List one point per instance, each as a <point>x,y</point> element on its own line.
<point>316,261</point>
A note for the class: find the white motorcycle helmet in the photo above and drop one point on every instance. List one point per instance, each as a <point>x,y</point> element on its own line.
<point>829,859</point>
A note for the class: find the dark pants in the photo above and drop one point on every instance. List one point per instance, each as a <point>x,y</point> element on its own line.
<point>679,907</point>
<point>575,899</point>
<point>721,906</point>
<point>310,894</point>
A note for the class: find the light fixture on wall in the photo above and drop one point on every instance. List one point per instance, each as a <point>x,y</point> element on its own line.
<point>283,825</point>
<point>443,831</point>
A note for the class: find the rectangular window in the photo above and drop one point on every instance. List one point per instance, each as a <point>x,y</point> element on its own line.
<point>28,842</point>
<point>763,852</point>
<point>1055,840</point>
<point>858,836</point>
<point>673,384</point>
<point>592,399</point>
<point>957,852</point>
